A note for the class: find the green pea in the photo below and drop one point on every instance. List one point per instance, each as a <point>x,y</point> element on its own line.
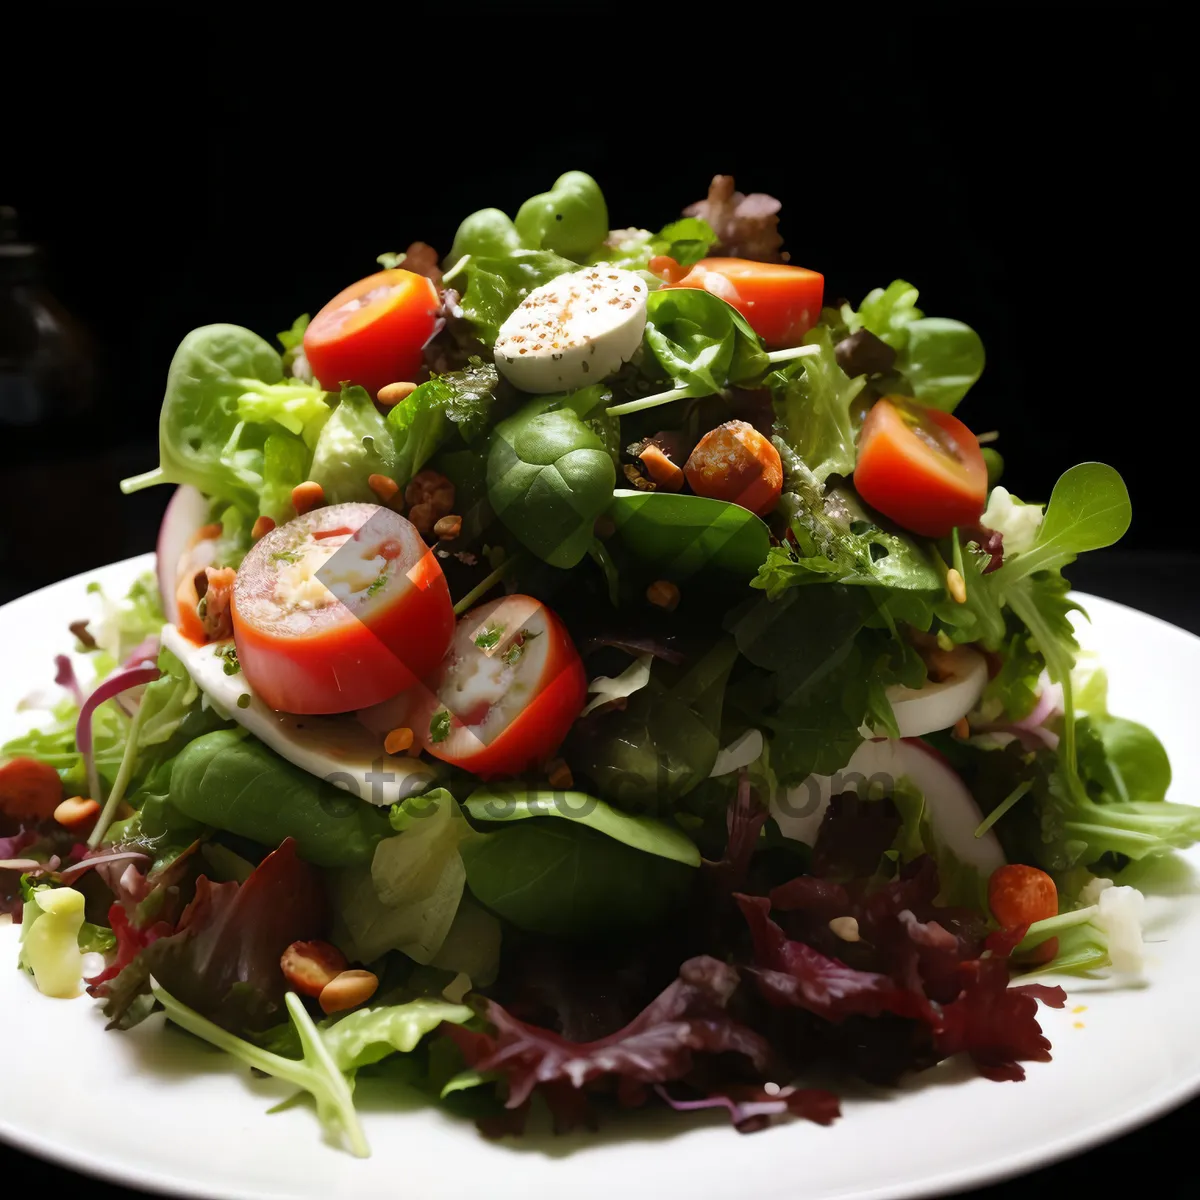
<point>571,218</point>
<point>488,233</point>
<point>995,466</point>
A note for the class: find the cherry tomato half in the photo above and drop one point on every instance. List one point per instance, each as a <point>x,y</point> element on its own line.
<point>340,609</point>
<point>372,333</point>
<point>921,467</point>
<point>508,691</point>
<point>781,302</point>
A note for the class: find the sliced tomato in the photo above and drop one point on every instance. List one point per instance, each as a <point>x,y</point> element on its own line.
<point>781,302</point>
<point>372,333</point>
<point>921,467</point>
<point>339,609</point>
<point>30,789</point>
<point>508,691</point>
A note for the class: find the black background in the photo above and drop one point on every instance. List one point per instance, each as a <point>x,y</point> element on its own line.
<point>1021,165</point>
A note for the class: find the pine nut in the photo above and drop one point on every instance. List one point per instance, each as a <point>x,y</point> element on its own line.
<point>76,811</point>
<point>383,487</point>
<point>262,527</point>
<point>398,740</point>
<point>663,594</point>
<point>448,528</point>
<point>347,990</point>
<point>559,776</point>
<point>956,585</point>
<point>311,966</point>
<point>306,496</point>
<point>393,393</point>
<point>962,729</point>
<point>845,928</point>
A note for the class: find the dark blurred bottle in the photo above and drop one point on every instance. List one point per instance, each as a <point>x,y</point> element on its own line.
<point>47,366</point>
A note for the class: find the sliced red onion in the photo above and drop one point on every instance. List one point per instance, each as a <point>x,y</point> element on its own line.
<point>1049,703</point>
<point>30,865</point>
<point>65,677</point>
<point>186,512</point>
<point>70,874</point>
<point>114,685</point>
<point>146,651</point>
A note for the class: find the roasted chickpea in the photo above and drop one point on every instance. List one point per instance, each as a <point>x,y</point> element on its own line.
<point>735,462</point>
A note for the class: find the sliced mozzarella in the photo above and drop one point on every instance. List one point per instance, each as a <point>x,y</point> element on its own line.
<point>952,809</point>
<point>935,706</point>
<point>575,330</point>
<point>340,749</point>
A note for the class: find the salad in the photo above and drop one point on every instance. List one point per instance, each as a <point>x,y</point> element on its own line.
<point>591,670</point>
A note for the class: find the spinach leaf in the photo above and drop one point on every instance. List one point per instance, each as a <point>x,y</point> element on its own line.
<point>639,833</point>
<point>940,359</point>
<point>1123,759</point>
<point>549,476</point>
<point>233,782</point>
<point>354,445</point>
<point>683,534</point>
<point>700,342</point>
<point>665,742</point>
<point>564,879</point>
<point>570,219</point>
<point>812,398</point>
<point>496,284</point>
<point>225,394</point>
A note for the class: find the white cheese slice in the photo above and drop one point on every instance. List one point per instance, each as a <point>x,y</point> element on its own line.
<point>339,749</point>
<point>575,330</point>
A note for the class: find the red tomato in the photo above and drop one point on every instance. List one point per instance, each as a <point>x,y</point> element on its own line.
<point>340,609</point>
<point>1020,895</point>
<point>921,467</point>
<point>372,333</point>
<point>781,302</point>
<point>30,789</point>
<point>508,691</point>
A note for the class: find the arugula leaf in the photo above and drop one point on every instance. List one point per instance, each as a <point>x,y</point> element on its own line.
<point>812,397</point>
<point>940,359</point>
<point>459,400</point>
<point>1088,510</point>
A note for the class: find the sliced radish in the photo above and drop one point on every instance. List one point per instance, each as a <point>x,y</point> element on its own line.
<point>952,809</point>
<point>935,706</point>
<point>186,513</point>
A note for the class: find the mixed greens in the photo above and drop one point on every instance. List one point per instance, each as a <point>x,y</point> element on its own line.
<point>588,671</point>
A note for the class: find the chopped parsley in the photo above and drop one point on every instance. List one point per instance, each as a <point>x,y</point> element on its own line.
<point>243,701</point>
<point>287,556</point>
<point>489,639</point>
<point>514,652</point>
<point>378,583</point>
<point>439,726</point>
<point>231,666</point>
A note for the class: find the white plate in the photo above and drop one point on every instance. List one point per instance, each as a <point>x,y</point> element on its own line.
<point>158,1110</point>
